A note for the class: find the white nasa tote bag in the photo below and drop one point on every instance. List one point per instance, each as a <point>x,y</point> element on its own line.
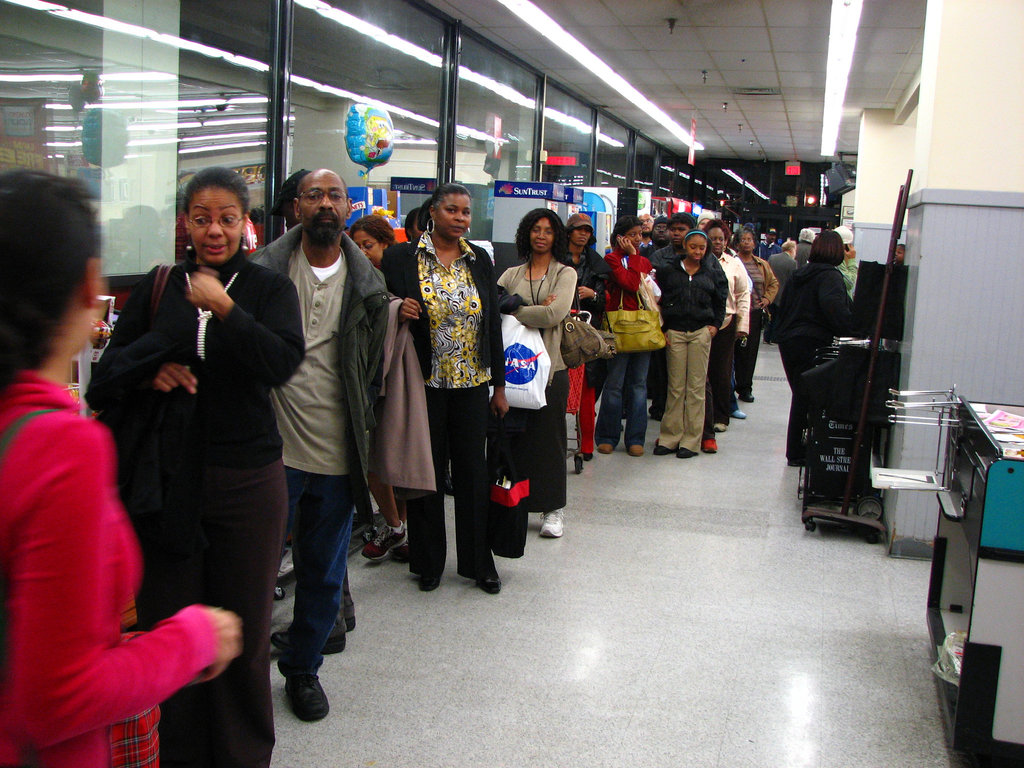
<point>527,364</point>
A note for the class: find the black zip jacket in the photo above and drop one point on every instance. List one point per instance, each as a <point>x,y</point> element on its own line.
<point>689,302</point>
<point>592,272</point>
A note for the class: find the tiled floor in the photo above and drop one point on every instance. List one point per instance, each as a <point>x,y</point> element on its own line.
<point>685,619</point>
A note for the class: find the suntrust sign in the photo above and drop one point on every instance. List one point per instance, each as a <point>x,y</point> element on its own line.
<point>538,189</point>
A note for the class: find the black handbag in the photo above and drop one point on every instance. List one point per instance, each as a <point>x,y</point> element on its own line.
<point>506,520</point>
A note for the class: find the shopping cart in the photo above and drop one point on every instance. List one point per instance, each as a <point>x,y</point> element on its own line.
<point>572,408</point>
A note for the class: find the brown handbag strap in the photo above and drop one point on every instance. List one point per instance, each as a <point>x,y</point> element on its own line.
<point>163,272</point>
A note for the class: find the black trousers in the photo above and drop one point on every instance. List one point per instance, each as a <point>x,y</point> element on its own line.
<point>797,358</point>
<point>228,721</point>
<point>746,357</point>
<point>657,383</point>
<point>719,387</point>
<point>458,431</point>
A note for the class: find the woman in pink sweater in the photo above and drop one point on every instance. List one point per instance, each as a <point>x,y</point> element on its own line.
<point>70,562</point>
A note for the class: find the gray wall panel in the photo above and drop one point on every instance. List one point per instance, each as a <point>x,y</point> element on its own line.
<point>965,324</point>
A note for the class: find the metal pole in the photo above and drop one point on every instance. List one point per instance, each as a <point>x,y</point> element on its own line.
<point>538,126</point>
<point>449,102</point>
<point>282,15</point>
<point>897,227</point>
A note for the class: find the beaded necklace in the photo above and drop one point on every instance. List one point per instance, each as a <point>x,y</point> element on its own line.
<point>204,318</point>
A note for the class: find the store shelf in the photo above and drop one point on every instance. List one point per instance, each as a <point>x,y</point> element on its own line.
<point>888,478</point>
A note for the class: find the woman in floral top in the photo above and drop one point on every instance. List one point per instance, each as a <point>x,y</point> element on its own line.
<point>450,297</point>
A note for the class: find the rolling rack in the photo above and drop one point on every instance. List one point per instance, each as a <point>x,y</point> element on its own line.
<point>976,587</point>
<point>859,510</point>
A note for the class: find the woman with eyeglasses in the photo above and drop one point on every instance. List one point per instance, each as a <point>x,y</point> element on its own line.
<point>223,332</point>
<point>451,298</point>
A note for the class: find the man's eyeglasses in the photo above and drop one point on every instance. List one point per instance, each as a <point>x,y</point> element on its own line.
<point>316,195</point>
<point>226,222</point>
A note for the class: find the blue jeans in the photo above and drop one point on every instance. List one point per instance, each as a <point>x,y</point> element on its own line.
<point>626,386</point>
<point>322,507</point>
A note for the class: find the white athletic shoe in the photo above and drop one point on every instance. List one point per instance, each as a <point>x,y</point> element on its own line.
<point>552,526</point>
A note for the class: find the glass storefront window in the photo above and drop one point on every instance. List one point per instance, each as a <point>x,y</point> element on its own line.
<point>646,156</point>
<point>356,53</point>
<point>666,177</point>
<point>568,128</point>
<point>121,94</point>
<point>612,144</point>
<point>495,127</point>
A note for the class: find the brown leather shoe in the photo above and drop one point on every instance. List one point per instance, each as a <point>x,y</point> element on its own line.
<point>605,448</point>
<point>636,450</point>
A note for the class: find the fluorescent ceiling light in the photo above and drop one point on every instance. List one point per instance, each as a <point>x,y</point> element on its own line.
<point>143,126</point>
<point>153,142</point>
<point>218,147</point>
<point>341,93</point>
<point>550,29</point>
<point>134,30</point>
<point>501,89</point>
<point>63,144</point>
<point>215,136</point>
<point>842,39</point>
<point>157,104</point>
<point>62,128</point>
<point>374,32</point>
<point>414,141</point>
<point>115,77</point>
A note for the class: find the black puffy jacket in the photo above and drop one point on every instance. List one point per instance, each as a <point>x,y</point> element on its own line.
<point>814,305</point>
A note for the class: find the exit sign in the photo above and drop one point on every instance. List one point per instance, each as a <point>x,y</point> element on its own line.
<point>793,168</point>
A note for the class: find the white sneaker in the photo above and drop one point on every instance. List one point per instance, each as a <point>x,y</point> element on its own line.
<point>552,526</point>
<point>286,566</point>
<point>720,427</point>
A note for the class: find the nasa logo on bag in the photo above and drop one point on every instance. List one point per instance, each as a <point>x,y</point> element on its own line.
<point>520,364</point>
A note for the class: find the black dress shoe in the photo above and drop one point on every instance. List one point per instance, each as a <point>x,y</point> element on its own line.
<point>350,623</point>
<point>490,585</point>
<point>429,583</point>
<point>746,397</point>
<point>335,641</point>
<point>588,456</point>
<point>661,450</point>
<point>307,697</point>
<point>795,462</point>
<point>685,453</point>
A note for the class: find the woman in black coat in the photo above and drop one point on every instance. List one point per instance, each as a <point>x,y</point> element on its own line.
<point>591,274</point>
<point>815,308</point>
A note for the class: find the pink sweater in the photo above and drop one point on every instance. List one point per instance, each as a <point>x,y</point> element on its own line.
<point>70,565</point>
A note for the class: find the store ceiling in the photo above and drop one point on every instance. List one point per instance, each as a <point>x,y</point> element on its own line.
<point>742,44</point>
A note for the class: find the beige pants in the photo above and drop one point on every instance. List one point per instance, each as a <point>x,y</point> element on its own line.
<point>687,358</point>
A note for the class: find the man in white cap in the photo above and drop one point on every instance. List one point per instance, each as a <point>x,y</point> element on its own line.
<point>849,265</point>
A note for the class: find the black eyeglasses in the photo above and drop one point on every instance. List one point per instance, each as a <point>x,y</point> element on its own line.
<point>316,195</point>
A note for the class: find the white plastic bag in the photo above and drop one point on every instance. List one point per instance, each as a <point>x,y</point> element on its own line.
<point>527,364</point>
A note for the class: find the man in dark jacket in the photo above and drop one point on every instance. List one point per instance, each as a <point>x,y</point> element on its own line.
<point>324,416</point>
<point>694,290</point>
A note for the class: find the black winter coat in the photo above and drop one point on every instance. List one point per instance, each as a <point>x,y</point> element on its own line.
<point>814,306</point>
<point>689,302</point>
<point>592,272</point>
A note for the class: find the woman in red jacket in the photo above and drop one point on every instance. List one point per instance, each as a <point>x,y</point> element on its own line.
<point>70,561</point>
<point>626,385</point>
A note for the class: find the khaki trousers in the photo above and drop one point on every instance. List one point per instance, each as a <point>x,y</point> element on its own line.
<point>687,356</point>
